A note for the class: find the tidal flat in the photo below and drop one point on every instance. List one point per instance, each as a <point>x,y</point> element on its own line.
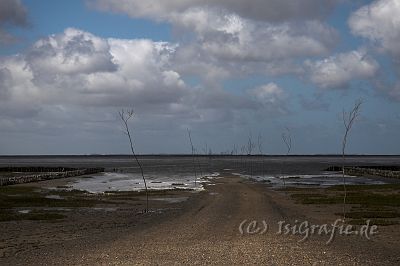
<point>54,222</point>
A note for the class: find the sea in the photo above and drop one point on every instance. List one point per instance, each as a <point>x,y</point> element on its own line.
<point>161,172</point>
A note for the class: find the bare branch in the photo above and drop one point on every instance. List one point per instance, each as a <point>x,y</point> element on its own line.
<point>348,121</point>
<point>193,152</point>
<point>125,116</point>
<point>287,139</point>
<point>259,142</point>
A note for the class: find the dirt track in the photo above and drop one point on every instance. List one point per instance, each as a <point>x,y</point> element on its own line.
<point>206,231</point>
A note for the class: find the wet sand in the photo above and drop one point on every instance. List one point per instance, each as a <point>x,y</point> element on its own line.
<point>204,229</point>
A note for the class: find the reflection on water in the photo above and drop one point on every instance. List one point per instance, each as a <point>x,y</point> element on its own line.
<point>325,179</point>
<point>133,182</point>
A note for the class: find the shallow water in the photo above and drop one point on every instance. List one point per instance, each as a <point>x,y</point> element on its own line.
<point>110,181</point>
<point>169,172</point>
<point>325,179</point>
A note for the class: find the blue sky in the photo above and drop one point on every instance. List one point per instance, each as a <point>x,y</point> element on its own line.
<point>49,17</point>
<point>224,69</point>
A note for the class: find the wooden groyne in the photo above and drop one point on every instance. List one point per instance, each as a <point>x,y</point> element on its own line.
<point>371,171</point>
<point>384,171</point>
<point>42,173</point>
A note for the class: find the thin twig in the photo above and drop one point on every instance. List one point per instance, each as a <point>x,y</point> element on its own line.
<point>125,116</point>
<point>348,121</point>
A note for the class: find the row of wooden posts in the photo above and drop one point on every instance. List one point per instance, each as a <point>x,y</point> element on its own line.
<point>42,173</point>
<point>371,171</point>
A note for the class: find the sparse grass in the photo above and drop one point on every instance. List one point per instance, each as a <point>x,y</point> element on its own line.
<point>364,198</point>
<point>378,203</point>
<point>315,198</point>
<point>14,197</point>
<point>38,201</point>
<point>8,190</point>
<point>42,215</point>
<point>366,187</point>
<point>35,215</point>
<point>70,193</point>
<point>369,199</point>
<point>293,189</point>
<point>25,196</point>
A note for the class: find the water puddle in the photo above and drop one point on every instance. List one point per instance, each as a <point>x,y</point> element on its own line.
<point>111,181</point>
<point>57,197</point>
<point>325,179</point>
<point>24,211</point>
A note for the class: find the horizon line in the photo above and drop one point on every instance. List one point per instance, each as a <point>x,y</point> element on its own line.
<point>189,154</point>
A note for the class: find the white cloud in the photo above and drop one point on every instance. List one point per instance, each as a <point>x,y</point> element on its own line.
<point>270,96</point>
<point>216,45</point>
<point>380,23</point>
<point>226,30</point>
<point>266,10</point>
<point>78,70</point>
<point>19,94</point>
<point>338,70</point>
<point>228,36</point>
<point>64,59</point>
<point>76,67</point>
<point>222,39</point>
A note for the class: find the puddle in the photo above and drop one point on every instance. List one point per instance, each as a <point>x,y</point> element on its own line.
<point>111,181</point>
<point>325,179</point>
<point>24,211</point>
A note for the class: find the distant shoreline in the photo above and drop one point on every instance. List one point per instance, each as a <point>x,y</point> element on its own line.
<point>198,155</point>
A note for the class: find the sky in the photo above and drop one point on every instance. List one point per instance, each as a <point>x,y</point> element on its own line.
<point>227,70</point>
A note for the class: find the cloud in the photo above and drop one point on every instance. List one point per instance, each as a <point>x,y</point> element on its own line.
<point>71,53</point>
<point>237,30</point>
<point>216,45</point>
<point>271,97</point>
<point>19,94</point>
<point>77,70</point>
<point>271,10</point>
<point>12,13</point>
<point>217,35</point>
<point>5,83</point>
<point>380,23</point>
<point>339,70</point>
<point>230,37</point>
<point>76,67</point>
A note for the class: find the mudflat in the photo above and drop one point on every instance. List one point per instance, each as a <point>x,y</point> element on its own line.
<point>210,227</point>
